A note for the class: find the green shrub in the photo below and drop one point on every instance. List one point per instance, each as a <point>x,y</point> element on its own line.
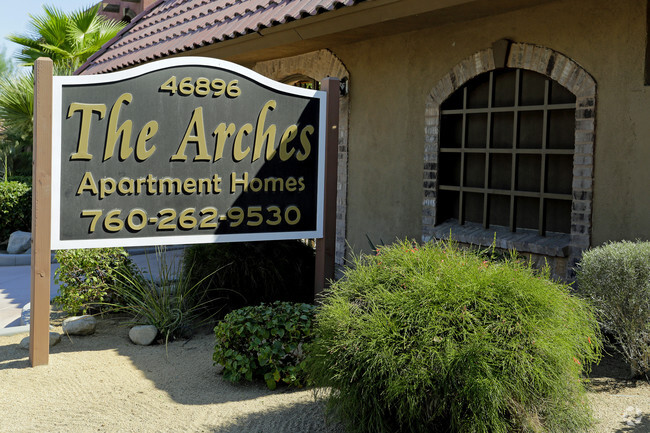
<point>616,278</point>
<point>265,342</point>
<point>436,339</point>
<point>165,298</point>
<point>87,277</point>
<point>15,208</point>
<point>253,272</point>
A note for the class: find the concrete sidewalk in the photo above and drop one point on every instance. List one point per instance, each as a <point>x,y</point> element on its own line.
<point>15,282</point>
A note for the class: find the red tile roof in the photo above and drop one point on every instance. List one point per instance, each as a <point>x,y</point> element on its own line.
<point>174,26</point>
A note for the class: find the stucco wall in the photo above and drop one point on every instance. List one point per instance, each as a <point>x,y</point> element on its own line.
<point>391,76</point>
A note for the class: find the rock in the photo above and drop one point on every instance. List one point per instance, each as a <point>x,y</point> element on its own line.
<point>55,338</point>
<point>80,325</point>
<point>143,335</point>
<point>25,314</point>
<point>19,242</point>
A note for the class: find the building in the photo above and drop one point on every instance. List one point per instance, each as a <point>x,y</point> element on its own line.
<point>124,10</point>
<point>525,122</point>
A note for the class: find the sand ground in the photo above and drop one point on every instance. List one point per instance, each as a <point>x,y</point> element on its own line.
<point>104,383</point>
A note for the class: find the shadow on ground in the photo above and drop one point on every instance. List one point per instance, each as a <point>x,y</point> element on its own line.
<point>643,426</point>
<point>165,366</point>
<point>303,417</point>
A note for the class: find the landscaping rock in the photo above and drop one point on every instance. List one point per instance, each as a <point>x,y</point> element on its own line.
<point>80,325</point>
<point>143,335</point>
<point>25,314</point>
<point>19,242</point>
<point>55,338</point>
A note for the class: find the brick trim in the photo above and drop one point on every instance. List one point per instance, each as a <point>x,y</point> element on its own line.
<point>321,64</point>
<point>555,66</point>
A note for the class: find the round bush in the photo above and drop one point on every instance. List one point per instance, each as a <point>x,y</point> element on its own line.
<point>88,278</point>
<point>616,277</point>
<point>434,339</point>
<point>15,207</point>
<point>265,342</point>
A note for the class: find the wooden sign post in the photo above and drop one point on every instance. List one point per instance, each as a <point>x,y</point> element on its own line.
<point>325,247</point>
<point>39,324</point>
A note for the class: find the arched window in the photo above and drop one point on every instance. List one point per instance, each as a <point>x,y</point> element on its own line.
<point>506,153</point>
<point>509,154</point>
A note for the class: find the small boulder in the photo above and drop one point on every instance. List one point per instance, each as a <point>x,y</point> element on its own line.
<point>55,338</point>
<point>79,325</point>
<point>25,314</point>
<point>19,242</point>
<point>143,335</point>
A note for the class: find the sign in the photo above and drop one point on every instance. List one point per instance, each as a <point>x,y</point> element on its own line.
<point>185,150</point>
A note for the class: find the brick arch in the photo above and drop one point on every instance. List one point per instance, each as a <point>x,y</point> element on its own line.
<point>553,65</point>
<point>321,64</point>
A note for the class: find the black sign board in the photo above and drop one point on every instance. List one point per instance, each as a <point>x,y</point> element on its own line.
<point>185,150</point>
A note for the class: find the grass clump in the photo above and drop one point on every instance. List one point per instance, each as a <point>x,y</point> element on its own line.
<point>436,339</point>
<point>616,278</point>
<point>164,296</point>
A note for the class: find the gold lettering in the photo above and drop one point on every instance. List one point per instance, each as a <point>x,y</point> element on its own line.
<point>301,183</point>
<point>87,184</point>
<point>237,152</point>
<point>290,184</point>
<point>273,184</point>
<point>125,186</point>
<point>140,183</point>
<point>87,111</point>
<point>256,184</point>
<point>169,182</point>
<point>106,187</point>
<point>189,186</point>
<point>261,135</point>
<point>222,132</point>
<point>151,184</point>
<point>122,133</point>
<point>204,182</point>
<point>289,134</point>
<point>306,145</point>
<point>196,124</point>
<point>234,182</point>
<point>216,180</point>
<point>149,130</point>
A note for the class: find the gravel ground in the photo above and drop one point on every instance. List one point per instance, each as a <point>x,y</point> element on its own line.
<point>104,383</point>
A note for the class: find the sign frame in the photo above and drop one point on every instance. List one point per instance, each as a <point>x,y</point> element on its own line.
<point>59,82</point>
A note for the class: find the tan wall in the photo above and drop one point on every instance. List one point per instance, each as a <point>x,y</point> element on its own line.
<point>391,76</point>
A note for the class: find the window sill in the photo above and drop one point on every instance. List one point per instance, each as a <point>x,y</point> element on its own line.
<point>523,240</point>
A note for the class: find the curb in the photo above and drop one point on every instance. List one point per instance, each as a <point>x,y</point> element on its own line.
<point>13,330</point>
<point>25,259</point>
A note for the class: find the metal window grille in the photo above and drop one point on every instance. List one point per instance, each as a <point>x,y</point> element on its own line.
<point>506,152</point>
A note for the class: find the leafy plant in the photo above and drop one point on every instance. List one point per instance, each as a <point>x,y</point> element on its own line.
<point>166,298</point>
<point>437,339</point>
<point>254,272</point>
<point>616,278</point>
<point>265,342</point>
<point>15,208</point>
<point>67,38</point>
<point>89,278</point>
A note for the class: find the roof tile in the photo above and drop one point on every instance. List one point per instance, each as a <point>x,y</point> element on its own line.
<point>173,26</point>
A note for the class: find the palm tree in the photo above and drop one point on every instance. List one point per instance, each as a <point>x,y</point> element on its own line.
<point>68,39</point>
